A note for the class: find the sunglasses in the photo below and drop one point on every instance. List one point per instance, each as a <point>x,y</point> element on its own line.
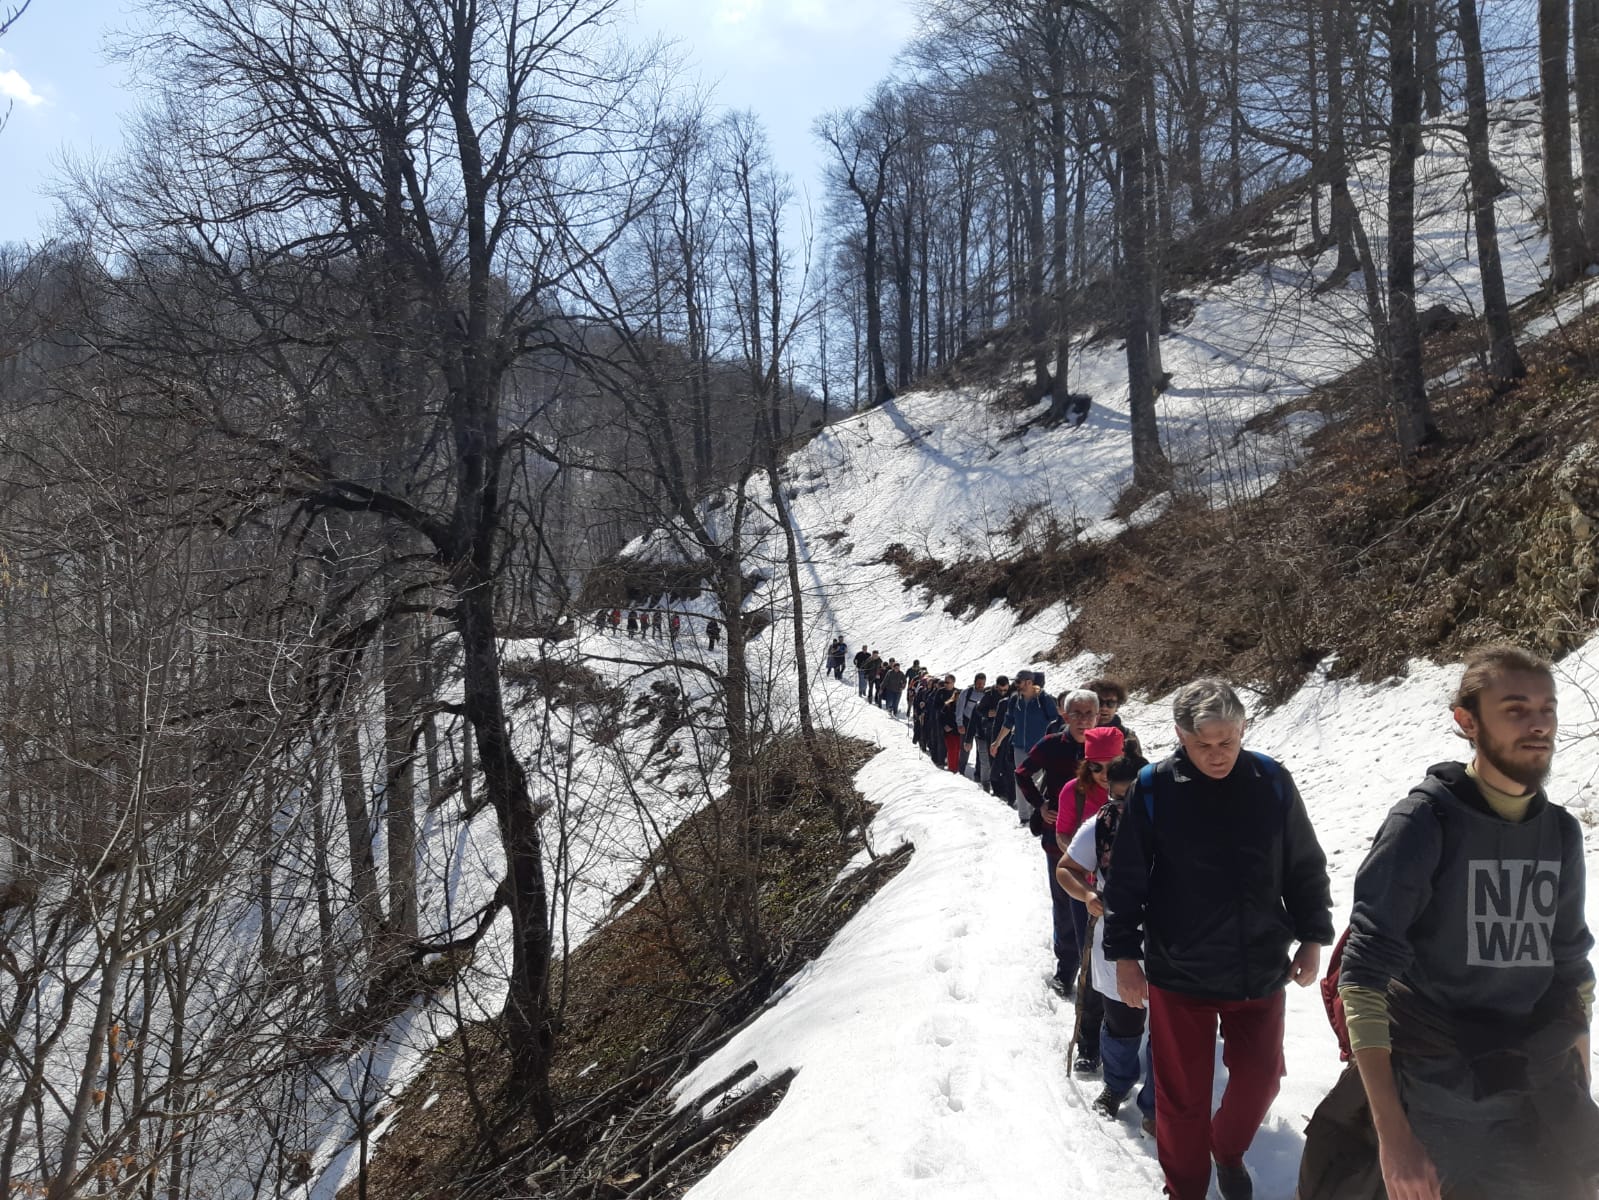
<point>1097,768</point>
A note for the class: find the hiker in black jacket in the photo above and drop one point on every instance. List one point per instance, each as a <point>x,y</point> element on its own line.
<point>893,687</point>
<point>983,727</point>
<point>1214,873</point>
<point>863,657</point>
<point>1112,695</point>
<point>1466,981</point>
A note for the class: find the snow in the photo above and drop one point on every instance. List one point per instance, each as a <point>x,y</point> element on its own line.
<point>930,1052</point>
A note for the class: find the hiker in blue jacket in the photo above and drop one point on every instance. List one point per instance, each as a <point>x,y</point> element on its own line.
<point>1026,719</point>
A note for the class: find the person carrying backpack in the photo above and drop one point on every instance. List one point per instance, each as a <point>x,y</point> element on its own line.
<point>965,709</point>
<point>1083,873</point>
<point>1057,757</point>
<point>983,726</point>
<point>893,687</point>
<point>863,657</point>
<point>1214,873</point>
<point>1465,977</point>
<point>713,630</point>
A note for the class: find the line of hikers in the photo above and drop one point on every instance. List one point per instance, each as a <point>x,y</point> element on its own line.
<point>1188,893</point>
<point>652,623</point>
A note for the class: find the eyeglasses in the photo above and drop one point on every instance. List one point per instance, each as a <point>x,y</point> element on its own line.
<point>1110,703</point>
<point>1096,768</point>
<point>1081,713</point>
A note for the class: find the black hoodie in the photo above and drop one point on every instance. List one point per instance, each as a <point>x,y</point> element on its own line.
<point>1474,913</point>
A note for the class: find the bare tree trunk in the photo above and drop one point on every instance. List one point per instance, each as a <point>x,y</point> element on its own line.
<point>1235,112</point>
<point>1151,471</point>
<point>1427,58</point>
<point>399,783</point>
<point>1407,384</point>
<point>1554,38</point>
<point>358,818</point>
<point>1341,206</point>
<point>1504,361</point>
<point>1585,34</point>
<point>1037,310</point>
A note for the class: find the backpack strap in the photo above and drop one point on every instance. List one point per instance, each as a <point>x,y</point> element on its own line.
<point>1146,788</point>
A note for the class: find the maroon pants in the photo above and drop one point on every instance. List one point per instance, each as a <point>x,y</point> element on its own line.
<point>952,749</point>
<point>1182,1031</point>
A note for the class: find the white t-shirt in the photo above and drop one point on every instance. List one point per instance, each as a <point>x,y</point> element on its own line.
<point>1084,853</point>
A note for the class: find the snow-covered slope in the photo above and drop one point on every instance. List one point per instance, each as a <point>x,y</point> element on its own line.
<point>930,1051</point>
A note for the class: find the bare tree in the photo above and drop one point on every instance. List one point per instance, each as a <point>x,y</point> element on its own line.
<point>866,141</point>
<point>460,163</point>
<point>1554,107</point>
<point>1504,361</point>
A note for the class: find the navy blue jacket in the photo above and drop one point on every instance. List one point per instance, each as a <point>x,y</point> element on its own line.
<point>1212,880</point>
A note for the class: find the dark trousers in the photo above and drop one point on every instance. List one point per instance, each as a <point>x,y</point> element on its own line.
<point>1066,942</point>
<point>1183,1039</point>
<point>1005,773</point>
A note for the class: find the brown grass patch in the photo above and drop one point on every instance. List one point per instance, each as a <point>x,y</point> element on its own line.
<point>638,996</point>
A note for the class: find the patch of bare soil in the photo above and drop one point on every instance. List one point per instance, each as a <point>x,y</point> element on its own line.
<point>642,1002</point>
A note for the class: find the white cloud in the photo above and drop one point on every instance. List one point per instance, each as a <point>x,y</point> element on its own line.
<point>14,87</point>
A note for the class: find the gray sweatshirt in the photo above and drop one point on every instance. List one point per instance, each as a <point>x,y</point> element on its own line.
<point>1475,913</point>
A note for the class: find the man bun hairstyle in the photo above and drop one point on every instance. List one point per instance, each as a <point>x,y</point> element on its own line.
<point>1487,663</point>
<point>1204,701</point>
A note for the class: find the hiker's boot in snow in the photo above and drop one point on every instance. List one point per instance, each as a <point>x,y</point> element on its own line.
<point>1061,987</point>
<point>1148,1125</point>
<point>1108,1103</point>
<point>1234,1183</point>
<point>1086,1064</point>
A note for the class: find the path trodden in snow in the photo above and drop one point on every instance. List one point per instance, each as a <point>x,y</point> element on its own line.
<point>931,1053</point>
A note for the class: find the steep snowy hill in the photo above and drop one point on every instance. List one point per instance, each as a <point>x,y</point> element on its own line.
<point>930,1052</point>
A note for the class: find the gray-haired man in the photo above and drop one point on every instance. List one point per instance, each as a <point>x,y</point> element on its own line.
<point>1215,872</point>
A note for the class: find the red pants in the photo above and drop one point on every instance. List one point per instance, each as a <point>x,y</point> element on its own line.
<point>952,749</point>
<point>1182,1031</point>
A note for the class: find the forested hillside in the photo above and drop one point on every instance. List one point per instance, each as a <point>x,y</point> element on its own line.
<point>356,411</point>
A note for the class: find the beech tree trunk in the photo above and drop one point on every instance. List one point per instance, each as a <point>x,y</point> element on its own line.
<point>1151,470</point>
<point>1585,34</point>
<point>1407,384</point>
<point>1504,361</point>
<point>1554,38</point>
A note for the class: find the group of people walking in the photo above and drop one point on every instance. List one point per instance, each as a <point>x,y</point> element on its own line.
<point>653,623</point>
<point>1187,894</point>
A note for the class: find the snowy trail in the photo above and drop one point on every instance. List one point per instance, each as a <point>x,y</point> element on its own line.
<point>932,1051</point>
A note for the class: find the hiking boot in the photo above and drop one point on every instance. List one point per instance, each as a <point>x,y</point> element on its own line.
<point>1108,1103</point>
<point>1148,1125</point>
<point>1234,1183</point>
<point>1086,1064</point>
<point>1060,987</point>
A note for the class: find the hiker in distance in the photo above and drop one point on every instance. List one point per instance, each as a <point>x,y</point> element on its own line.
<point>1214,873</point>
<point>1466,983</point>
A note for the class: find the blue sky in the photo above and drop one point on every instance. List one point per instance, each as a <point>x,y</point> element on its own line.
<point>787,59</point>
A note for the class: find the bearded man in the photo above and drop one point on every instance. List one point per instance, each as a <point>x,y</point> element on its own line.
<point>1465,980</point>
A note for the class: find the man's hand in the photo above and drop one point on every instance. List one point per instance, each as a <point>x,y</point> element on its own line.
<point>993,748</point>
<point>1048,813</point>
<point>1407,1172</point>
<point>1096,908</point>
<point>1307,964</point>
<point>1130,983</point>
